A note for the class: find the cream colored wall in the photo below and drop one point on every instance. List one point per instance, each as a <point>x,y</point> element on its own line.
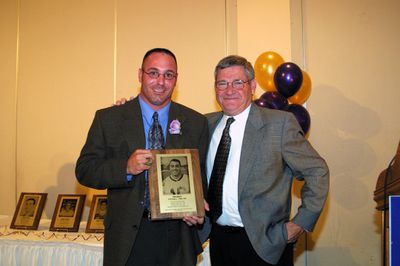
<point>74,58</point>
<point>263,25</point>
<point>194,30</point>
<point>8,48</point>
<point>65,72</point>
<point>349,49</point>
<point>351,53</point>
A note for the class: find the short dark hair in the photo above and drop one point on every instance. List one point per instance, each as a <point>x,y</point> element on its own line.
<point>32,199</point>
<point>175,160</point>
<point>235,60</point>
<point>159,50</point>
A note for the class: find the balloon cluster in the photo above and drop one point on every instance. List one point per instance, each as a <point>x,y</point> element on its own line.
<point>287,86</point>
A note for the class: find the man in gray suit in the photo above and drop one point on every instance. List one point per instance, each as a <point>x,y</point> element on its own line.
<point>268,149</point>
<point>116,155</point>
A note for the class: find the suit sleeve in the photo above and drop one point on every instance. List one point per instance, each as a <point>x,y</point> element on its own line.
<point>306,164</point>
<point>98,166</point>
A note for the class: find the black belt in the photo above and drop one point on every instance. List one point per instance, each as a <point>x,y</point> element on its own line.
<point>229,229</point>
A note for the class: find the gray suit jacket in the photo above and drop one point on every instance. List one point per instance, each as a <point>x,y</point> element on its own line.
<point>114,134</point>
<point>274,151</point>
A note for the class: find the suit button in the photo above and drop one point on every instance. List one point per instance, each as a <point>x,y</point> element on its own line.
<point>135,227</point>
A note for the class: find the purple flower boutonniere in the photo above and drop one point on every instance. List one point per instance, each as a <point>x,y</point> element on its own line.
<point>175,127</point>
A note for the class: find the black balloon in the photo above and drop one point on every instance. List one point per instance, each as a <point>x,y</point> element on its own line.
<point>273,100</point>
<point>288,78</point>
<point>301,114</point>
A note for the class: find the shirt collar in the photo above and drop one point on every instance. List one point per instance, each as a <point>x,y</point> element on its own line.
<point>147,111</point>
<point>240,117</point>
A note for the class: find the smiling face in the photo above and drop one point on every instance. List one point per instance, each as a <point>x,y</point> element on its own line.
<point>157,92</point>
<point>234,101</point>
<point>175,168</point>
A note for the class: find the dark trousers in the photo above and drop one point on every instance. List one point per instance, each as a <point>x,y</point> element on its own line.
<point>231,246</point>
<point>151,245</point>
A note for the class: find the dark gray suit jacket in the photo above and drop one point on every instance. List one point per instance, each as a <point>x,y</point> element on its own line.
<point>114,134</point>
<point>274,151</point>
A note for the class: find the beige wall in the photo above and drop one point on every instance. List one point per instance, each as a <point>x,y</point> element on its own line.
<point>263,26</point>
<point>8,96</point>
<point>78,56</point>
<point>351,53</point>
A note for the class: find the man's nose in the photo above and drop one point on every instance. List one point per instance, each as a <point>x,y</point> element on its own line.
<point>161,79</point>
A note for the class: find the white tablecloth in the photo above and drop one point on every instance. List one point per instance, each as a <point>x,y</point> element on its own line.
<point>44,248</point>
<point>25,252</point>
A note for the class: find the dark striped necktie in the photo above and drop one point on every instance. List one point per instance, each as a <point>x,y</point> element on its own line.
<point>214,196</point>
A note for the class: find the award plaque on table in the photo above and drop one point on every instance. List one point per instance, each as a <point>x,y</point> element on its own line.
<point>67,213</point>
<point>29,210</point>
<point>175,184</point>
<point>98,210</point>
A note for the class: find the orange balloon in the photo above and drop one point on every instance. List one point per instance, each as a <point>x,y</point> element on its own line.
<point>265,67</point>
<point>304,92</point>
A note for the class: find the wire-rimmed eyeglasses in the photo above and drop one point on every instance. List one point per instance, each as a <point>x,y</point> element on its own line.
<point>236,84</point>
<point>154,74</point>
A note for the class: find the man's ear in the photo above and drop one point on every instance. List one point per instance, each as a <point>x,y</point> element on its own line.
<point>140,74</point>
<point>253,85</point>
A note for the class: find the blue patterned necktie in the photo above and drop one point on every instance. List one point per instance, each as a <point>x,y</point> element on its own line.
<point>156,142</point>
<point>156,136</point>
<point>214,196</point>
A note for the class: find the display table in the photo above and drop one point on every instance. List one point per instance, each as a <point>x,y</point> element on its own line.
<point>45,248</point>
<point>42,247</point>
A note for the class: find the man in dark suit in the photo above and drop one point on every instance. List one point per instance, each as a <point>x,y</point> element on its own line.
<point>268,149</point>
<point>116,155</point>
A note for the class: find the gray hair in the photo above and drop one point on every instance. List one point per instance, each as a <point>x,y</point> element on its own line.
<point>235,60</point>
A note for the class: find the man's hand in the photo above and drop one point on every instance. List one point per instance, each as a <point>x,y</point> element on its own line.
<point>123,101</point>
<point>139,161</point>
<point>206,206</point>
<point>293,232</point>
<point>193,220</point>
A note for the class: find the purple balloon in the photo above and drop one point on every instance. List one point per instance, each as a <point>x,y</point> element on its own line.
<point>261,102</point>
<point>274,100</point>
<point>288,78</point>
<point>301,114</point>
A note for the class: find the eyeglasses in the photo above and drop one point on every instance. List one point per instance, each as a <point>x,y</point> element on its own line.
<point>153,74</point>
<point>236,84</point>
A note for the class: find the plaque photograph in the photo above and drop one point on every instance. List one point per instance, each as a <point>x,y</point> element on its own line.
<point>175,184</point>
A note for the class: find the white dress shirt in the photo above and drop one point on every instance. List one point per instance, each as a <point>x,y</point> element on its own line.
<point>230,212</point>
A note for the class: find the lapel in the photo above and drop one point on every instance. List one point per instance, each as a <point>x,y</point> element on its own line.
<point>133,130</point>
<point>174,141</point>
<point>252,137</point>
<point>132,125</point>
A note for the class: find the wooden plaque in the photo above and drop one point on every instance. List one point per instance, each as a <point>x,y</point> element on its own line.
<point>175,184</point>
<point>67,213</point>
<point>29,210</point>
<point>98,210</point>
